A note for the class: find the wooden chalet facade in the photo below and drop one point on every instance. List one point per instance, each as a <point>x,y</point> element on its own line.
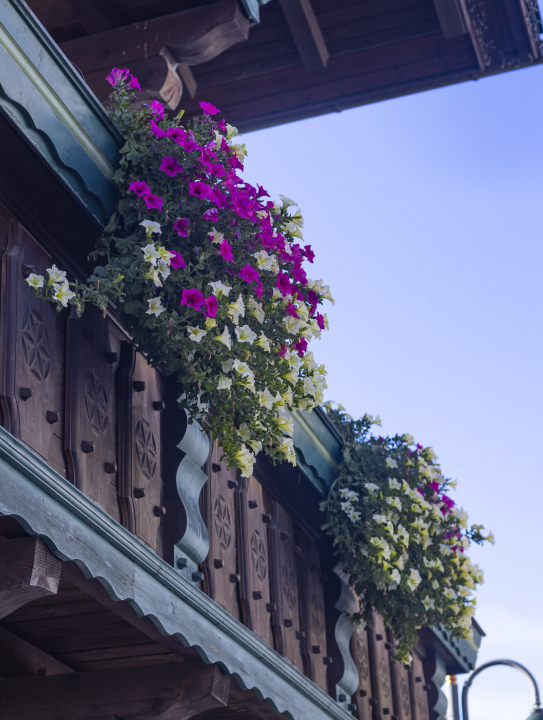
<point>139,578</point>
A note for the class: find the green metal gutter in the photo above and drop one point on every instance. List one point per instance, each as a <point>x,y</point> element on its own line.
<point>50,105</point>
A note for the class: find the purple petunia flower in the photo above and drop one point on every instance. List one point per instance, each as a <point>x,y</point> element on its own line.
<point>153,201</point>
<point>226,251</point>
<point>209,108</point>
<point>177,261</point>
<point>170,166</point>
<point>211,214</point>
<point>140,188</point>
<point>211,306</point>
<point>117,75</point>
<point>182,226</point>
<point>157,109</point>
<point>155,130</point>
<point>134,83</point>
<point>249,274</point>
<point>192,298</point>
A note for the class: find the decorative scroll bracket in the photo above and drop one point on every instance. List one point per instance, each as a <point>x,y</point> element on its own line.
<point>193,547</point>
<point>347,604</point>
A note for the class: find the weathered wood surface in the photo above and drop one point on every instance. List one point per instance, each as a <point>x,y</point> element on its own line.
<point>28,570</point>
<point>313,620</point>
<point>91,408</point>
<point>165,692</point>
<point>31,353</point>
<point>363,698</point>
<point>219,503</point>
<point>18,658</point>
<point>380,662</point>
<point>254,586</point>
<point>306,32</point>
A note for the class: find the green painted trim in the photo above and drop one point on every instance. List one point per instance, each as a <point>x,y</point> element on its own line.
<point>49,104</point>
<point>318,448</point>
<point>77,529</point>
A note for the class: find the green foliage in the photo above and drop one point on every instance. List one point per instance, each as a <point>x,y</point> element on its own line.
<point>399,535</point>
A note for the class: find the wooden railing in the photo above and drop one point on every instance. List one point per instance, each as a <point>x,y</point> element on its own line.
<point>78,394</point>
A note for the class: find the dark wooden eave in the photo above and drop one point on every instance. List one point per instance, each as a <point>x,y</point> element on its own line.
<point>305,57</point>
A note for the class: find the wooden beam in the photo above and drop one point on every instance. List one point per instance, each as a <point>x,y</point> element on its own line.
<point>28,571</point>
<point>451,18</point>
<point>175,691</point>
<point>90,15</point>
<point>475,21</point>
<point>192,37</point>
<point>18,657</point>
<point>306,32</point>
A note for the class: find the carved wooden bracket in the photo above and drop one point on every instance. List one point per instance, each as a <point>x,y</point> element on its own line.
<point>28,571</point>
<point>159,51</point>
<point>347,604</point>
<point>193,547</point>
<point>435,672</point>
<point>177,691</point>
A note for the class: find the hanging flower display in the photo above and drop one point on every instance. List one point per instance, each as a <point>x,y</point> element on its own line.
<point>399,534</point>
<point>208,275</point>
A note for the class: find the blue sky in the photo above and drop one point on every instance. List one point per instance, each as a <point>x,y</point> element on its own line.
<point>425,216</point>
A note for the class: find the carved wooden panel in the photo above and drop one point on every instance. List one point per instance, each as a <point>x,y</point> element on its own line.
<point>314,648</point>
<point>381,683</point>
<point>91,408</point>
<point>219,512</point>
<point>32,353</point>
<point>254,566</point>
<point>285,588</point>
<point>141,472</point>
<point>363,696</point>
<point>401,692</point>
<point>418,690</point>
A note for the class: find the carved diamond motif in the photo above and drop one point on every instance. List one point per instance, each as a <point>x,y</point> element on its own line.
<point>146,449</point>
<point>258,554</point>
<point>35,345</point>
<point>96,403</point>
<point>385,679</point>
<point>289,586</point>
<point>404,696</point>
<point>223,523</point>
<point>317,614</point>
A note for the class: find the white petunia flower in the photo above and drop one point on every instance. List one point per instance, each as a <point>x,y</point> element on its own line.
<point>216,236</point>
<point>391,463</point>
<point>394,484</point>
<point>155,307</point>
<point>219,289</point>
<point>244,334</point>
<point>263,342</point>
<point>196,333</point>
<point>371,487</point>
<point>242,368</point>
<point>256,310</point>
<point>150,254</point>
<point>245,461</point>
<point>225,383</point>
<point>225,338</point>
<point>55,275</point>
<point>150,227</point>
<point>63,293</point>
<point>35,281</point>
<point>263,260</point>
<point>414,580</point>
<point>266,399</point>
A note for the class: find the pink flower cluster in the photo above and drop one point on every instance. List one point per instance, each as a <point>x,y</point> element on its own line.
<point>194,299</point>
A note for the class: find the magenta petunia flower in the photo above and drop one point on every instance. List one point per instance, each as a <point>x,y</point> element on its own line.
<point>190,145</point>
<point>153,201</point>
<point>209,108</point>
<point>134,83</point>
<point>170,166</point>
<point>249,274</point>
<point>182,226</point>
<point>310,255</point>
<point>117,75</point>
<point>222,125</point>
<point>199,189</point>
<point>155,130</point>
<point>283,284</point>
<point>435,486</point>
<point>226,251</point>
<point>291,310</point>
<point>211,306</point>
<point>177,261</point>
<point>259,289</point>
<point>301,346</point>
<point>282,351</point>
<point>192,298</point>
<point>320,321</point>
<point>140,188</point>
<point>157,109</point>
<point>176,134</point>
<point>211,214</point>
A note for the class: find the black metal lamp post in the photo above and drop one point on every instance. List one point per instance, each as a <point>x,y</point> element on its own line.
<point>537,713</point>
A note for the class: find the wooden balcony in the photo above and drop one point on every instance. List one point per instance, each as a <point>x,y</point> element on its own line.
<point>125,542</point>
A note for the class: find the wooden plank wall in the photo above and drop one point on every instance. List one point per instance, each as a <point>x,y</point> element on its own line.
<point>77,392</point>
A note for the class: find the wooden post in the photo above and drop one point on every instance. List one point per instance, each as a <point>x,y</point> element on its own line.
<point>28,571</point>
<point>175,691</point>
